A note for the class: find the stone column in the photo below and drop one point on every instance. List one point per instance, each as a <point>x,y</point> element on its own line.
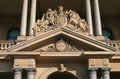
<point>93,74</point>
<point>24,18</point>
<point>31,74</point>
<point>89,17</point>
<point>106,73</point>
<point>98,28</point>
<point>32,16</point>
<point>17,74</point>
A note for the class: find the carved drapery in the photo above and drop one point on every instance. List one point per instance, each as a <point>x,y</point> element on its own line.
<point>53,19</point>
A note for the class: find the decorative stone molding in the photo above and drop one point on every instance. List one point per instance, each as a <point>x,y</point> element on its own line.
<point>24,63</point>
<point>53,19</point>
<point>105,62</point>
<point>59,46</point>
<point>92,62</point>
<point>17,62</point>
<point>3,56</point>
<point>45,74</point>
<point>99,63</point>
<point>30,62</point>
<point>65,31</point>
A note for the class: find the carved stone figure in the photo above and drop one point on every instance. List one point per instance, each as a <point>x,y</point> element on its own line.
<point>73,16</point>
<point>61,12</point>
<point>50,16</point>
<point>62,68</point>
<point>83,25</point>
<point>62,18</point>
<point>40,26</point>
<point>73,20</point>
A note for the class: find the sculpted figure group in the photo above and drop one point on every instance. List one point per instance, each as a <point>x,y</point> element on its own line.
<point>53,19</point>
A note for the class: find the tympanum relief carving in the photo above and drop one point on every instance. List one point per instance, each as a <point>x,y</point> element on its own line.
<point>62,18</point>
<point>59,46</point>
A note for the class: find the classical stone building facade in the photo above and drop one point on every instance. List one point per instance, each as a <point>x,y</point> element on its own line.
<point>67,39</point>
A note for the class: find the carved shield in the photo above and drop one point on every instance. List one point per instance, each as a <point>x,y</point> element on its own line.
<point>61,21</point>
<point>61,46</point>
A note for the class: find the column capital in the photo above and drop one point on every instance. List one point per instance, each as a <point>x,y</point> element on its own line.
<point>92,69</point>
<point>30,69</point>
<point>106,69</point>
<point>17,69</point>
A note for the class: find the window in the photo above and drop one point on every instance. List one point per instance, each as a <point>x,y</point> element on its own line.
<point>13,34</point>
<point>107,33</point>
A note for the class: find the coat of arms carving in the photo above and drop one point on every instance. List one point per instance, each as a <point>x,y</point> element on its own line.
<point>59,46</point>
<point>62,18</point>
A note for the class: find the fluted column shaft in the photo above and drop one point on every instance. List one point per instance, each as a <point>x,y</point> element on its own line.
<point>17,74</point>
<point>98,29</point>
<point>24,18</point>
<point>89,17</point>
<point>32,16</point>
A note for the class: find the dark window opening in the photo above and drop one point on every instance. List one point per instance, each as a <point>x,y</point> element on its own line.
<point>107,33</point>
<point>13,34</point>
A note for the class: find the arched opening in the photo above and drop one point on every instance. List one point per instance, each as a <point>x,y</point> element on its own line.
<point>61,75</point>
<point>107,33</point>
<point>13,34</point>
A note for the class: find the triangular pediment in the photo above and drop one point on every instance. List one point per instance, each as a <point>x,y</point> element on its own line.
<point>61,31</point>
<point>67,39</point>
